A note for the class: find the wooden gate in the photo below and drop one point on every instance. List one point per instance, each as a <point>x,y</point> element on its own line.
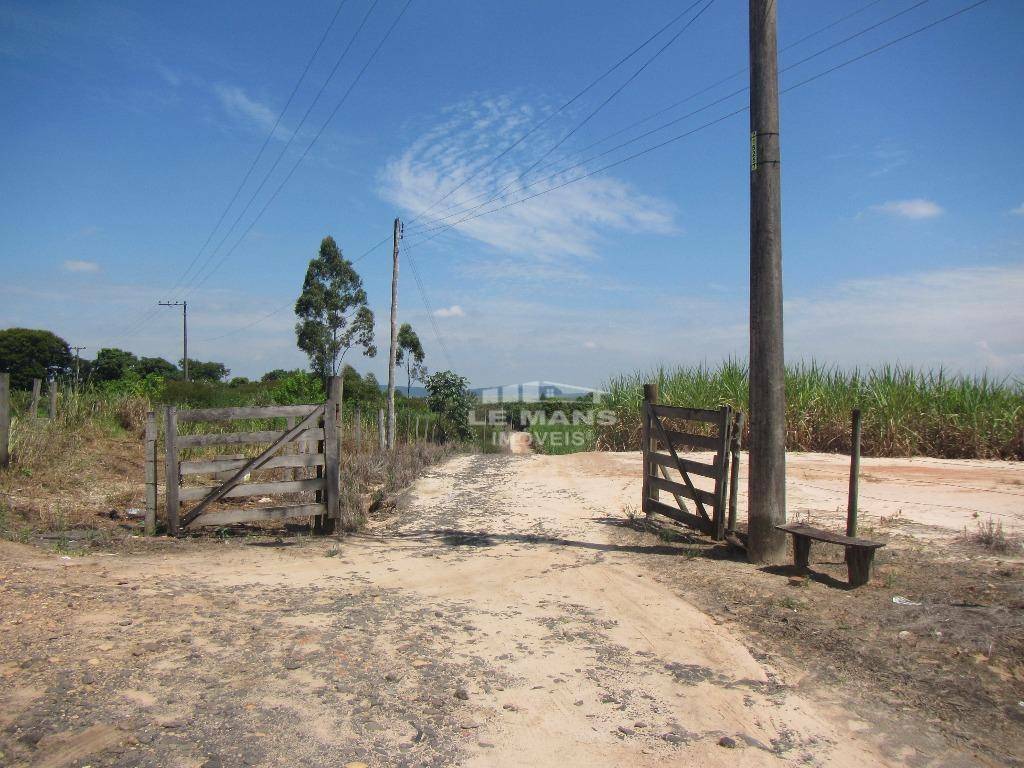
<point>308,425</point>
<point>664,438</point>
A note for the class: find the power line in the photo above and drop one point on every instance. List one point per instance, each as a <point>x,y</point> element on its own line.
<point>253,164</point>
<point>605,102</point>
<point>430,311</point>
<point>558,111</point>
<point>717,120</point>
<point>676,120</point>
<point>288,144</point>
<point>500,194</point>
<point>671,140</point>
<point>672,106</point>
<point>266,141</point>
<point>305,152</point>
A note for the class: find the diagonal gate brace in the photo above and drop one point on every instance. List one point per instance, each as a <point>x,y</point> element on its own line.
<point>679,466</point>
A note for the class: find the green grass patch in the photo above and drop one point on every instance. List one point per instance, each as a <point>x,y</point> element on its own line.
<point>559,439</point>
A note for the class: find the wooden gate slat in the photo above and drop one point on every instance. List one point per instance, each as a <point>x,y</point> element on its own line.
<point>254,489</point>
<point>697,494</point>
<point>210,466</point>
<point>694,441</point>
<point>236,438</point>
<point>687,414</point>
<point>228,516</point>
<point>245,412</point>
<point>694,521</point>
<point>693,467</point>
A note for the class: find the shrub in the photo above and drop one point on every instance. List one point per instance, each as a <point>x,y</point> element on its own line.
<point>448,396</point>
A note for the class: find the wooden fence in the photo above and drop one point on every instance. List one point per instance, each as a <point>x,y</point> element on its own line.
<point>313,424</point>
<point>664,438</point>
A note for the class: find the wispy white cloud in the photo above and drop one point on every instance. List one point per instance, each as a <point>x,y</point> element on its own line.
<point>453,311</point>
<point>240,105</point>
<point>170,76</point>
<point>1018,211</point>
<point>567,222</point>
<point>916,208</point>
<point>80,265</point>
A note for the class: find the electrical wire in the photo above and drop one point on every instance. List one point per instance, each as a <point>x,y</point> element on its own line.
<point>671,140</point>
<point>717,120</point>
<point>288,144</point>
<point>500,194</point>
<point>537,126</point>
<point>430,311</point>
<point>606,101</point>
<point>311,144</point>
<point>254,163</point>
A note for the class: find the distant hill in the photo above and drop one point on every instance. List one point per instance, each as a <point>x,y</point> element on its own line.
<point>414,392</point>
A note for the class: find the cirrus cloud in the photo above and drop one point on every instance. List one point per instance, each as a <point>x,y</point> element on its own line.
<point>80,265</point>
<point>464,166</point>
<point>915,208</point>
<point>453,311</point>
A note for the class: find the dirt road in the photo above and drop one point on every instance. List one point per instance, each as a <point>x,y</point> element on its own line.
<point>500,619</point>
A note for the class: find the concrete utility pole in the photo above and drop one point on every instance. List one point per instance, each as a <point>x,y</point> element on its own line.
<point>184,330</point>
<point>767,483</point>
<point>77,361</point>
<point>394,335</point>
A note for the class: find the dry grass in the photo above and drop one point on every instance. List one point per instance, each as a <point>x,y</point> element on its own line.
<point>989,535</point>
<point>372,480</point>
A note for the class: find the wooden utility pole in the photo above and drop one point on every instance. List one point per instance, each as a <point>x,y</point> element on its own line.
<point>78,360</point>
<point>53,399</point>
<point>851,505</point>
<point>184,331</point>
<point>394,335</point>
<point>5,419</point>
<point>767,482</point>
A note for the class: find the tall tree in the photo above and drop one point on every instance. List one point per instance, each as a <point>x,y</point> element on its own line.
<point>208,371</point>
<point>112,364</point>
<point>157,366</point>
<point>29,354</point>
<point>332,311</point>
<point>410,352</point>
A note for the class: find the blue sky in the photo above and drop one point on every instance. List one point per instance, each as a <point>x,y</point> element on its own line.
<point>128,127</point>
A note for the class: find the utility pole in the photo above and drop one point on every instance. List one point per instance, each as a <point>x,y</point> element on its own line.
<point>394,335</point>
<point>184,330</point>
<point>767,483</point>
<point>77,361</point>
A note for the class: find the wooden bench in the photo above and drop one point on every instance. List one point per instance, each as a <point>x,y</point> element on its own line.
<point>859,552</point>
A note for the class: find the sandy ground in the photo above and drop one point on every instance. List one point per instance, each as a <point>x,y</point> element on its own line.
<point>499,619</point>
<point>927,498</point>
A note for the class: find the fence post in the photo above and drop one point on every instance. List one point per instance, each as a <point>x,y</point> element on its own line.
<point>5,419</point>
<point>332,459</point>
<point>151,433</point>
<point>37,388</point>
<point>647,445</point>
<point>851,507</point>
<point>53,399</point>
<point>358,428</point>
<point>380,430</point>
<point>721,485</point>
<point>171,477</point>
<point>734,470</point>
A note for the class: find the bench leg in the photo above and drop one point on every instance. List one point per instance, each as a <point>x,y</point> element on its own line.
<point>858,563</point>
<point>801,551</point>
